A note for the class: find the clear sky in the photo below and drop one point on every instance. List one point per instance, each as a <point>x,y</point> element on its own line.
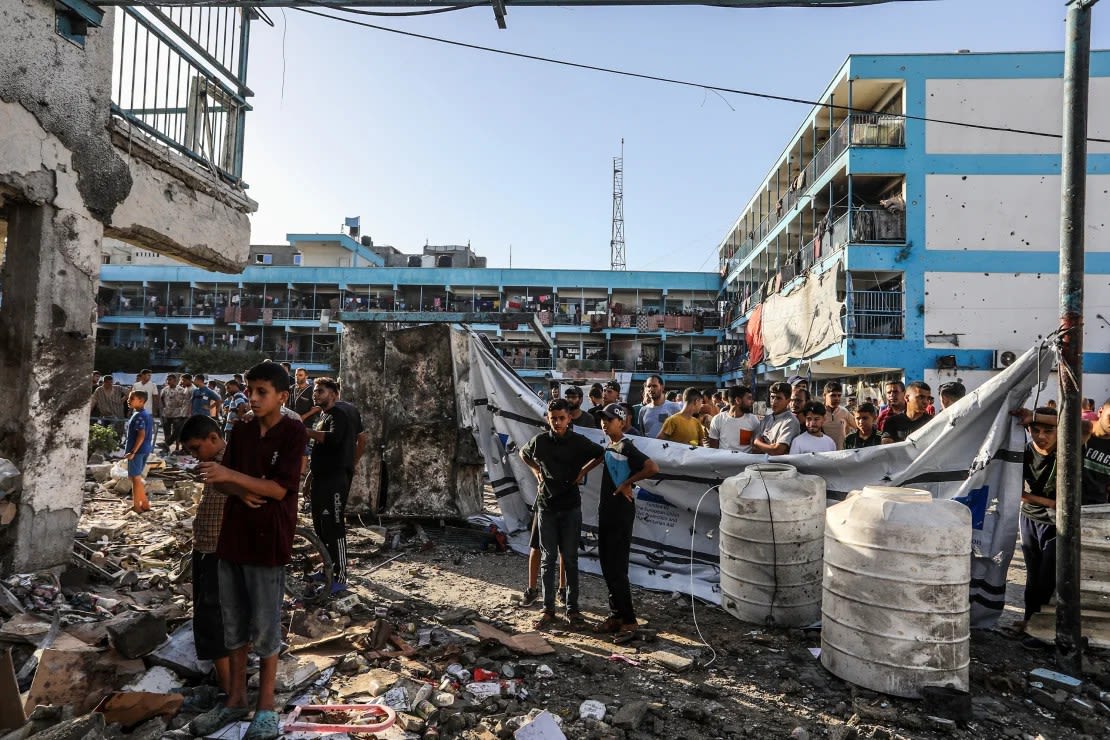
<point>428,142</point>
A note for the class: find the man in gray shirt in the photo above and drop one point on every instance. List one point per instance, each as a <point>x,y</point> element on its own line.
<point>778,428</point>
<point>656,409</point>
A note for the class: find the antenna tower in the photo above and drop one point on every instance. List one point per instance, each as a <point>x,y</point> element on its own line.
<point>616,243</point>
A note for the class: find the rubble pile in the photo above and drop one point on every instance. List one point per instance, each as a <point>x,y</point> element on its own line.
<point>432,641</point>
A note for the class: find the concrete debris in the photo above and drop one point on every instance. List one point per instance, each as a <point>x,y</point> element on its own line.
<point>431,630</point>
<point>137,633</point>
<point>11,480</point>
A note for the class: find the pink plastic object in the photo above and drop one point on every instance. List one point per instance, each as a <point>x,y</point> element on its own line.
<point>293,725</point>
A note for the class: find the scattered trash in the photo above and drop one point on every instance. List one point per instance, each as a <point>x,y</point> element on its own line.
<point>591,709</point>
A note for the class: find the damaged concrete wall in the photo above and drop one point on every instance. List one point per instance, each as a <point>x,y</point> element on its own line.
<point>421,459</point>
<point>64,182</point>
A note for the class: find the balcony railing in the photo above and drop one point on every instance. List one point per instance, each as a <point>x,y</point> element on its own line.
<point>874,314</point>
<point>179,77</point>
<point>867,130</point>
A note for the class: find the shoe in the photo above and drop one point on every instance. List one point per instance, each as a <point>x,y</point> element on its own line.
<point>576,618</point>
<point>610,626</point>
<point>316,577</point>
<point>338,588</point>
<point>530,596</point>
<point>547,619</point>
<point>264,726</point>
<point>1032,643</point>
<point>562,595</point>
<point>627,627</point>
<point>216,718</point>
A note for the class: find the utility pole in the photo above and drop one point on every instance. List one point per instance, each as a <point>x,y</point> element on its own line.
<point>616,243</point>
<point>1069,450</point>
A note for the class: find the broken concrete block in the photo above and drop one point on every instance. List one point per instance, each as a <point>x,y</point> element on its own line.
<point>374,682</point>
<point>672,661</point>
<point>9,604</point>
<point>100,473</point>
<point>179,654</point>
<point>87,727</point>
<point>156,486</point>
<point>295,671</point>
<point>631,715</point>
<point>137,633</point>
<point>108,528</point>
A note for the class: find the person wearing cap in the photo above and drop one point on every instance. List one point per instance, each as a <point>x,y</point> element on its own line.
<point>625,465</point>
<point>578,417</point>
<point>1037,520</point>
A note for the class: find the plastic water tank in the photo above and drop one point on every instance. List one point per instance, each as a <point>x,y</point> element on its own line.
<point>895,610</point>
<point>772,525</point>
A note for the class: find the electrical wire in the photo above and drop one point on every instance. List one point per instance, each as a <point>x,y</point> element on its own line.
<point>675,81</point>
<point>693,598</point>
<point>396,14</point>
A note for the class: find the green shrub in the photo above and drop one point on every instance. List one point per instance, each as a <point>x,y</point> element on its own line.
<point>102,439</point>
<point>218,360</point>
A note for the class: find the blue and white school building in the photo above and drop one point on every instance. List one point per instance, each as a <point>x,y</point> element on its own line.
<point>886,240</point>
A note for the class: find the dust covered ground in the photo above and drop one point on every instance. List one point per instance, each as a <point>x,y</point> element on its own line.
<point>414,633</point>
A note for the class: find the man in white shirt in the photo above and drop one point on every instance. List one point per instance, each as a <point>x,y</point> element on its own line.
<point>735,427</point>
<point>839,422</point>
<point>144,384</point>
<point>656,408</point>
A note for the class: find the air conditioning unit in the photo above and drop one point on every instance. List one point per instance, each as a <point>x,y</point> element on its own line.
<point>1003,358</point>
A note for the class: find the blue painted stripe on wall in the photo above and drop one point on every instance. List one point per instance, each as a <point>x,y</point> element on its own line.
<point>1001,65</point>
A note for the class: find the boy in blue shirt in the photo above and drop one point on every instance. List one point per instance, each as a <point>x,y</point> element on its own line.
<point>140,441</point>
<point>624,467</point>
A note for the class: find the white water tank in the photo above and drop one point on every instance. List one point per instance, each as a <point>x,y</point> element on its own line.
<point>772,525</point>
<point>895,611</point>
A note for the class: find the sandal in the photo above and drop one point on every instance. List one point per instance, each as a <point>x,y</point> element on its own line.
<point>547,619</point>
<point>610,626</point>
<point>576,618</point>
<point>264,726</point>
<point>216,718</point>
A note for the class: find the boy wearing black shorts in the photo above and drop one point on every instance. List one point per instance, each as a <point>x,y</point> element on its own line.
<point>201,437</point>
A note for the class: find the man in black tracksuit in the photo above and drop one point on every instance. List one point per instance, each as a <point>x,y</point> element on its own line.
<point>334,436</point>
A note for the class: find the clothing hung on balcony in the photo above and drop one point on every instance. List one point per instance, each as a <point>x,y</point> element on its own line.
<point>804,322</point>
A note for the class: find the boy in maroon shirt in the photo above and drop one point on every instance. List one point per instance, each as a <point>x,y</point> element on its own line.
<point>260,473</point>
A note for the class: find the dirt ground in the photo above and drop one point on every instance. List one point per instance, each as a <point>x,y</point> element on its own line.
<point>748,681</point>
<point>744,680</point>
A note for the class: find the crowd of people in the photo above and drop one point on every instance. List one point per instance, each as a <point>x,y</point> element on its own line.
<point>254,437</point>
<point>258,433</point>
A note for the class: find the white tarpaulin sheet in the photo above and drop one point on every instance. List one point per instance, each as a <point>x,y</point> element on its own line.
<point>972,451</point>
<point>803,323</point>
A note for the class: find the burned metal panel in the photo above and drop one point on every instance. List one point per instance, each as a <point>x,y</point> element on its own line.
<point>421,457</point>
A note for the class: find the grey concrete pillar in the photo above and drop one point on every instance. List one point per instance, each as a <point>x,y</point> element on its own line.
<point>46,353</point>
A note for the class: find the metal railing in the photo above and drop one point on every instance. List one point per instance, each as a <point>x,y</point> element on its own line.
<point>178,75</point>
<point>874,314</point>
<point>867,130</point>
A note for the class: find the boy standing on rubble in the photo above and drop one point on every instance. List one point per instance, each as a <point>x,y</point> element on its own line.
<point>261,474</point>
<point>560,458</point>
<point>200,436</point>
<point>139,443</point>
<point>616,514</point>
